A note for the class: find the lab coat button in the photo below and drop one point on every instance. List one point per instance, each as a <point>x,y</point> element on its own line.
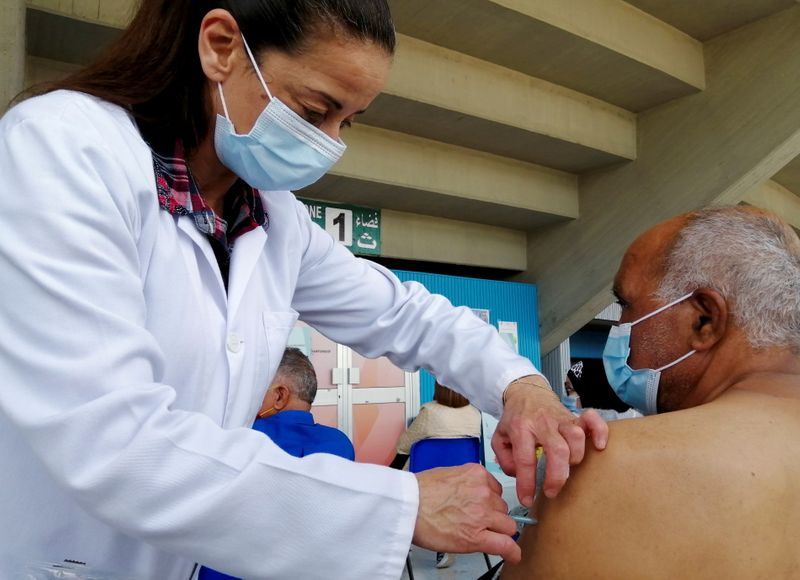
<point>235,343</point>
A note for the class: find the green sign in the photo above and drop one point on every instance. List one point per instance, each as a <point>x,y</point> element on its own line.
<point>358,228</point>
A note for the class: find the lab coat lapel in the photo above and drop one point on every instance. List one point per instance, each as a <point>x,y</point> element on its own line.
<point>246,252</point>
<point>201,243</point>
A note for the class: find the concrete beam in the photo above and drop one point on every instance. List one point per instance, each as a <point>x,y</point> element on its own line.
<point>12,50</point>
<point>789,176</point>
<point>604,48</point>
<point>773,197</point>
<point>433,92</point>
<point>408,236</point>
<point>114,13</point>
<point>62,37</point>
<point>440,94</point>
<point>41,70</point>
<point>713,147</point>
<point>396,171</point>
<point>617,25</point>
<point>716,17</point>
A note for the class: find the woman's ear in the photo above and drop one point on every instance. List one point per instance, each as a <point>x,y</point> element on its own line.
<point>219,38</point>
<point>709,318</point>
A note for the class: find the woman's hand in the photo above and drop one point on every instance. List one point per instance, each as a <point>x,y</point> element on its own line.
<point>534,417</point>
<point>461,510</point>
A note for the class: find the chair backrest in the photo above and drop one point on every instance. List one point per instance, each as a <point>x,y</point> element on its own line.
<point>430,453</point>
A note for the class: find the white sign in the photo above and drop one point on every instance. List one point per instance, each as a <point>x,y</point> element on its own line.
<point>509,333</point>
<point>489,425</point>
<point>481,313</point>
<point>300,337</point>
<point>339,224</point>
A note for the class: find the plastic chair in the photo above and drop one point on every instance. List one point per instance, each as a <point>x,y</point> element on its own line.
<point>431,453</point>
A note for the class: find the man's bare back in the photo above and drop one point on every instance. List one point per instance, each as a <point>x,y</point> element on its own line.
<point>708,492</point>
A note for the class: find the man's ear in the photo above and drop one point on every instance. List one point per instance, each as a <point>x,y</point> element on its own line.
<point>709,318</point>
<point>219,38</point>
<point>282,397</point>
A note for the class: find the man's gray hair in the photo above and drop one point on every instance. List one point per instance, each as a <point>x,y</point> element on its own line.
<point>753,259</point>
<point>296,370</point>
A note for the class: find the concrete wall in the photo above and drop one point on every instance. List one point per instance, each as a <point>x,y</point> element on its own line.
<point>12,50</point>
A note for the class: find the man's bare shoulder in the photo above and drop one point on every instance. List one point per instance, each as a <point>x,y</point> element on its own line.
<point>658,500</point>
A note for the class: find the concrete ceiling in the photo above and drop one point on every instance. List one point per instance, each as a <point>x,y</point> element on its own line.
<point>63,39</point>
<point>490,31</point>
<point>415,118</point>
<point>789,176</point>
<point>467,141</point>
<point>370,193</point>
<point>706,19</point>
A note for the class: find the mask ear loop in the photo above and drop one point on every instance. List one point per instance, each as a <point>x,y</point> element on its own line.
<point>673,363</point>
<point>222,98</point>
<point>258,74</point>
<point>255,66</point>
<point>662,309</point>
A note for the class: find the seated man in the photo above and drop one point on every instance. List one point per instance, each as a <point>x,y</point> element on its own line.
<point>285,415</point>
<point>711,487</point>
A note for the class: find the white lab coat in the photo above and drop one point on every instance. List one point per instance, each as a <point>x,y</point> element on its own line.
<point>129,376</point>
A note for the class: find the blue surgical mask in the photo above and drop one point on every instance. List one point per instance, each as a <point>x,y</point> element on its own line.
<point>638,388</point>
<point>282,151</point>
<point>570,402</point>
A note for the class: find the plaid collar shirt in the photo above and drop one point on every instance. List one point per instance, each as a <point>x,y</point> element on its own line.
<point>179,195</point>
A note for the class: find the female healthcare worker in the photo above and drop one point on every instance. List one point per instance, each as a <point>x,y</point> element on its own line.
<point>148,291</point>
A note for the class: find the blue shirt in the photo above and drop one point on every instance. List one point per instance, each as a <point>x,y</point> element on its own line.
<point>297,434</point>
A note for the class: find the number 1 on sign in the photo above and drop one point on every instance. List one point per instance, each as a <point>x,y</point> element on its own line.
<point>339,224</point>
<point>340,220</point>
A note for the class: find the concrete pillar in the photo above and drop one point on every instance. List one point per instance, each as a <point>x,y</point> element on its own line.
<point>12,50</point>
<point>555,365</point>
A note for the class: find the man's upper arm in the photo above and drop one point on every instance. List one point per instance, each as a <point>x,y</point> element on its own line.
<point>692,494</point>
<point>590,529</point>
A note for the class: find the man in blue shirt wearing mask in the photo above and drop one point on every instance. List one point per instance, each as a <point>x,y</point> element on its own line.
<point>708,345</point>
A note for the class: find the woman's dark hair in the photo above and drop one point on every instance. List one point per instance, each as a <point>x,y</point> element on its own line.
<point>448,397</point>
<point>154,70</point>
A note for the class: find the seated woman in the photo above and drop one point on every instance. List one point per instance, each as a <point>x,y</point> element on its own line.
<point>449,415</point>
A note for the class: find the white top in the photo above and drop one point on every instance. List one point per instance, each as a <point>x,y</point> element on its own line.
<point>130,376</point>
<point>440,421</point>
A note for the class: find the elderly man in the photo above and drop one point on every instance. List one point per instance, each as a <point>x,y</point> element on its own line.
<point>710,488</point>
<point>285,415</point>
